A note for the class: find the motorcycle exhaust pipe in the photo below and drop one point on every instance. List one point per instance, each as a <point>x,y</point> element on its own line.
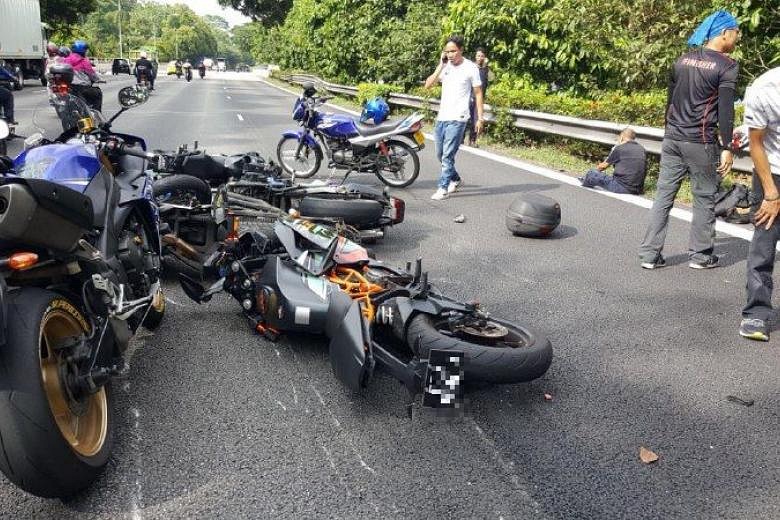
<point>372,234</point>
<point>181,246</point>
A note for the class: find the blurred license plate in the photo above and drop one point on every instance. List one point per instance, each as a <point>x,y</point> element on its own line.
<point>443,387</point>
<point>419,138</point>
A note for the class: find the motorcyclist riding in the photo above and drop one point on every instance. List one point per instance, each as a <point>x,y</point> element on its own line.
<point>187,66</point>
<point>144,66</point>
<point>84,75</point>
<point>202,69</point>
<point>177,65</point>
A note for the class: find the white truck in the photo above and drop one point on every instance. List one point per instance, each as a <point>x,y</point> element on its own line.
<point>22,40</point>
<point>221,67</point>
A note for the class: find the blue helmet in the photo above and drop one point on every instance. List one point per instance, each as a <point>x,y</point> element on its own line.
<point>80,47</point>
<point>375,109</point>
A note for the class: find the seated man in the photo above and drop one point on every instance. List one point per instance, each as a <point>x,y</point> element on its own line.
<point>629,159</point>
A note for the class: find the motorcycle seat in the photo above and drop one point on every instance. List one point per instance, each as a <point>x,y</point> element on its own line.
<point>369,130</point>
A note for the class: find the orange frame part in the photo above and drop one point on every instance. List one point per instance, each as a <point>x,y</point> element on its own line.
<point>357,287</point>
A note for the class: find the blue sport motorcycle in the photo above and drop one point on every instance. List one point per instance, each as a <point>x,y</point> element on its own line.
<point>79,274</point>
<point>350,145</point>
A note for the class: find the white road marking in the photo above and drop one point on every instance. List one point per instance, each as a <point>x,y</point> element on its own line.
<point>283,406</point>
<point>240,117</point>
<point>295,395</point>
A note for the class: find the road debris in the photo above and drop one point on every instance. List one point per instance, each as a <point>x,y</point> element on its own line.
<point>460,219</point>
<point>739,400</point>
<point>647,456</point>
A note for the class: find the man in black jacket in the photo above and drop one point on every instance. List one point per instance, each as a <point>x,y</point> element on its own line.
<point>144,66</point>
<point>699,125</point>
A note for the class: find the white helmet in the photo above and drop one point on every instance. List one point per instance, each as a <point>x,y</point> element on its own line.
<point>143,54</point>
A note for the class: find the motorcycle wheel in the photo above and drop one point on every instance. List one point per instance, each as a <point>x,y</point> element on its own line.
<point>285,154</point>
<point>394,170</point>
<point>50,448</point>
<point>181,189</point>
<point>521,356</point>
<point>359,213</point>
<point>19,84</point>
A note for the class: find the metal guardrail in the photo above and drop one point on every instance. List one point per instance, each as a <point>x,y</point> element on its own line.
<point>595,131</point>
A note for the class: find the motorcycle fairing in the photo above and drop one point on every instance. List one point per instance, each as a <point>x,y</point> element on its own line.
<point>350,348</point>
<point>72,164</point>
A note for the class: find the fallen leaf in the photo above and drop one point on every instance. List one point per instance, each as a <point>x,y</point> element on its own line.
<point>647,456</point>
<point>548,397</point>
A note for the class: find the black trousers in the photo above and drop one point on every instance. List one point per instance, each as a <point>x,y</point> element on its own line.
<point>92,95</point>
<point>761,262</point>
<point>7,102</point>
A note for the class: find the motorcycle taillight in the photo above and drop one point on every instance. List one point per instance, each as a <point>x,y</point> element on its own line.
<point>61,88</point>
<point>399,208</point>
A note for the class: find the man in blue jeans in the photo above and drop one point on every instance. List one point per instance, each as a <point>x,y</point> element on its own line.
<point>460,80</point>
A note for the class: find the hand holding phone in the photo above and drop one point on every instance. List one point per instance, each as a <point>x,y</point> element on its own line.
<point>444,58</point>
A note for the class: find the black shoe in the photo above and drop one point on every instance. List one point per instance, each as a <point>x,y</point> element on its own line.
<point>753,328</point>
<point>709,263</point>
<point>659,261</point>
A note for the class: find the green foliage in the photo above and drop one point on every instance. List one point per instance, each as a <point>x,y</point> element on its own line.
<point>61,15</point>
<point>368,91</point>
<point>267,12</point>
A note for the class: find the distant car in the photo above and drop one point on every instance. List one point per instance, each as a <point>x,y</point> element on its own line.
<point>242,67</point>
<point>120,66</point>
<point>171,67</point>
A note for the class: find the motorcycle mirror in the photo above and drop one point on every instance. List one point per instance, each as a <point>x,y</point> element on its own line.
<point>5,130</point>
<point>131,96</point>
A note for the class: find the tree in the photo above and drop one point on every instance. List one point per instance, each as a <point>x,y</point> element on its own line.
<point>216,22</point>
<point>267,12</point>
<point>61,15</point>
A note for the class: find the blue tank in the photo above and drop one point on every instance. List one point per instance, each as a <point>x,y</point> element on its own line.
<point>337,126</point>
<point>72,165</point>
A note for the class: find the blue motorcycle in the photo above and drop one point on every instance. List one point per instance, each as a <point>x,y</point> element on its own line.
<point>350,145</point>
<point>79,274</point>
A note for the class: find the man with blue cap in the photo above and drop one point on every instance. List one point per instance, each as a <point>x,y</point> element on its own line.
<point>697,138</point>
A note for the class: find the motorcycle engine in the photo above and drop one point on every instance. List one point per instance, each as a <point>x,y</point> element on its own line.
<point>342,152</point>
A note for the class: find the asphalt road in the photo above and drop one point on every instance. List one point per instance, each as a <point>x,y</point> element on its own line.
<point>214,422</point>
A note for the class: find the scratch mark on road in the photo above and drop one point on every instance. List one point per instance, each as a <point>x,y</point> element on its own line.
<point>295,395</point>
<point>240,117</point>
<point>329,457</point>
<point>283,406</point>
<point>170,300</point>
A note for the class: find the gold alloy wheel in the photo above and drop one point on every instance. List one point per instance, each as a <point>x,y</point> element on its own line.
<point>158,302</point>
<point>85,432</point>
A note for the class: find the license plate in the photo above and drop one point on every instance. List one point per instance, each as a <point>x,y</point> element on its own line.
<point>419,138</point>
<point>443,387</point>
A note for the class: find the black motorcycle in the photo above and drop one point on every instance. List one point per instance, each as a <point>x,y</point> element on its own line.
<point>303,277</point>
<point>187,71</point>
<point>79,274</point>
<point>202,71</point>
<point>249,185</point>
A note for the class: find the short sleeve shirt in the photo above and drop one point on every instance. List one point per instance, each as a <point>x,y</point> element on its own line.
<point>629,160</point>
<point>762,110</point>
<point>457,84</point>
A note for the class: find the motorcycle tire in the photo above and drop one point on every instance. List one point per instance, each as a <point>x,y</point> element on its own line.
<point>391,178</point>
<point>178,186</point>
<point>484,363</point>
<point>303,174</point>
<point>359,213</point>
<point>48,455</point>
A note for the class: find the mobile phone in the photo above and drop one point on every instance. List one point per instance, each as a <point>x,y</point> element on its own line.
<point>444,58</point>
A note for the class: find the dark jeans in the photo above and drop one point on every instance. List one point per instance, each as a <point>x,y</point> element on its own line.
<point>471,127</point>
<point>761,262</point>
<point>679,159</point>
<point>92,95</point>
<point>596,178</point>
<point>7,102</point>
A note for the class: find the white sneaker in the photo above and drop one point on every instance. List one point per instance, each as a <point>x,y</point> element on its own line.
<point>454,186</point>
<point>440,194</point>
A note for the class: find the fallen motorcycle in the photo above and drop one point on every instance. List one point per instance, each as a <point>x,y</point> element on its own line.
<point>79,274</point>
<point>258,189</point>
<point>304,277</point>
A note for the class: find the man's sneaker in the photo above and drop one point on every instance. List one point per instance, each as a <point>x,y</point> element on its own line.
<point>709,263</point>
<point>454,186</point>
<point>440,194</point>
<point>655,264</point>
<point>753,328</point>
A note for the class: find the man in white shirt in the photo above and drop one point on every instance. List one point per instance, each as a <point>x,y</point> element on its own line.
<point>459,79</point>
<point>762,117</point>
